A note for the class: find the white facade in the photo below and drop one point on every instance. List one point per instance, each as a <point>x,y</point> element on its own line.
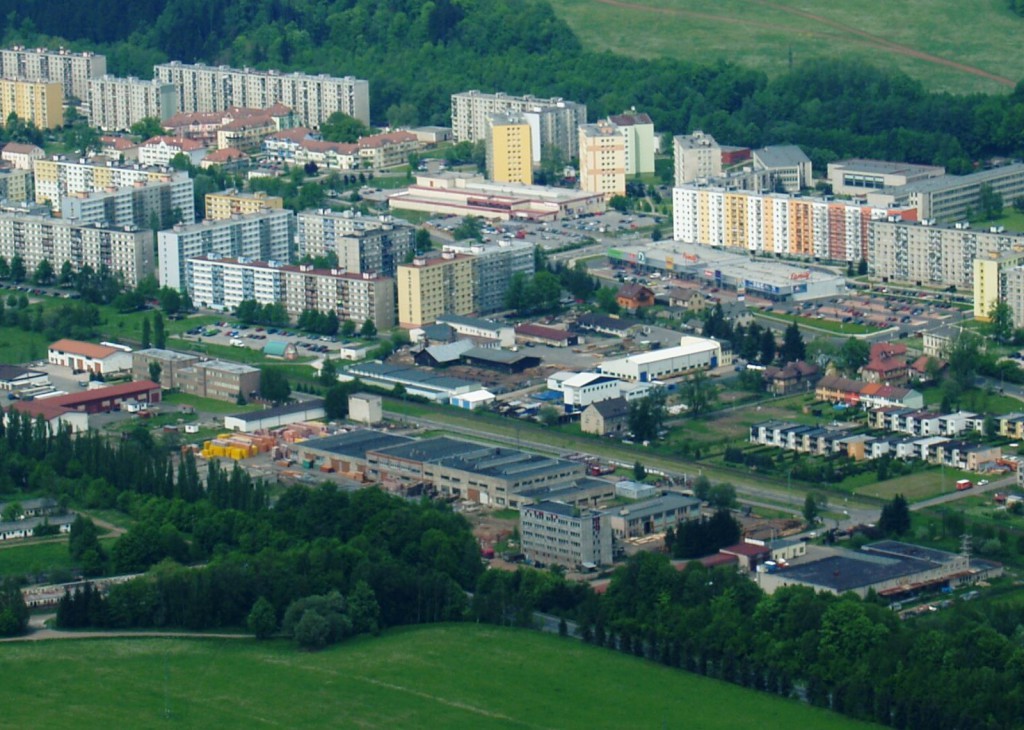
<point>59,176</point>
<point>314,98</point>
<point>72,70</point>
<point>697,156</point>
<point>88,357</point>
<point>127,250</point>
<point>362,243</point>
<point>693,353</point>
<point>365,408</point>
<point>116,104</point>
<point>555,532</point>
<point>553,122</point>
<point>135,205</point>
<point>159,151</point>
<point>262,236</point>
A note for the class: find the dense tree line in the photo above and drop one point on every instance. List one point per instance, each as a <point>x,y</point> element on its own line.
<point>833,108</point>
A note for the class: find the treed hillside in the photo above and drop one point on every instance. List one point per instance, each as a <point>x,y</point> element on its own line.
<point>416,53</point>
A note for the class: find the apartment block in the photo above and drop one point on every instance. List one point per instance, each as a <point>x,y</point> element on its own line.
<point>602,160</point>
<point>560,534</point>
<point>313,98</point>
<point>362,244</point>
<point>431,287</point>
<point>553,122</point>
<point>233,202</point>
<point>72,70</point>
<point>263,236</point>
<point>170,362</point>
<point>59,176</point>
<point>125,250</point>
<point>937,254</point>
<point>16,185</point>
<point>494,265</point>
<point>166,202</point>
<point>637,130</point>
<point>774,222</point>
<point>39,102</point>
<point>115,103</point>
<point>951,197</point>
<point>509,150</point>
<point>697,157</point>
<point>223,283</point>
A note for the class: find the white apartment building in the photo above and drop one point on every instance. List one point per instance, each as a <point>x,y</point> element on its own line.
<point>774,222</point>
<point>558,533</point>
<point>362,243</point>
<point>263,236</point>
<point>126,250</point>
<point>950,197</point>
<point>697,157</point>
<point>637,130</point>
<point>314,98</point>
<point>494,265</point>
<point>72,70</point>
<point>159,151</point>
<point>59,176</point>
<point>223,283</point>
<point>115,104</point>
<point>553,122</point>
<point>135,205</point>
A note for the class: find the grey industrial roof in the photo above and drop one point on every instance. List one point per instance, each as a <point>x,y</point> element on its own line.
<point>658,505</point>
<point>855,570</point>
<point>906,550</point>
<point>887,167</point>
<point>558,508</point>
<point>355,443</point>
<point>410,375</point>
<point>786,155</point>
<point>10,372</point>
<point>432,450</point>
<point>487,324</point>
<point>950,182</point>
<point>450,352</point>
<point>165,355</point>
<point>289,408</point>
<point>503,357</point>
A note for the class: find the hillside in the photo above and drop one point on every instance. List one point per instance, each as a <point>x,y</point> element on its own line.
<point>933,41</point>
<point>442,676</point>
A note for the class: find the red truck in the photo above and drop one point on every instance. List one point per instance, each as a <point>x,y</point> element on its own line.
<point>963,484</point>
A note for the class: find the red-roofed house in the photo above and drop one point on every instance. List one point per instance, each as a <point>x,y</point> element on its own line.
<point>21,155</point>
<point>545,335</point>
<point>634,296</point>
<point>887,364</point>
<point>390,149</point>
<point>87,357</point>
<point>118,147</point>
<point>161,150</point>
<point>791,378</point>
<point>919,368</point>
<point>230,159</point>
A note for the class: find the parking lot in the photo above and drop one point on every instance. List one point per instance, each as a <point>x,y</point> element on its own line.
<point>254,337</point>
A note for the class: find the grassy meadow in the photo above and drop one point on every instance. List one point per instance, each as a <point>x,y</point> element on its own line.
<point>446,676</point>
<point>945,44</point>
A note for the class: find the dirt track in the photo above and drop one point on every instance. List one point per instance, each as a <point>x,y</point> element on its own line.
<point>856,34</point>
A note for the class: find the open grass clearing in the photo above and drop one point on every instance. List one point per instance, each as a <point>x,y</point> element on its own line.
<point>39,555</point>
<point>772,36</point>
<point>447,676</point>
<point>915,487</point>
<point>978,400</point>
<point>207,405</point>
<point>826,325</point>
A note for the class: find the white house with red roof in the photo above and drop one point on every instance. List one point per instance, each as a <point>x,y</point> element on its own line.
<point>159,151</point>
<point>89,357</point>
<point>21,155</point>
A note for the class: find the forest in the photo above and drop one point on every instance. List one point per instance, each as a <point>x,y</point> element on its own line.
<point>416,53</point>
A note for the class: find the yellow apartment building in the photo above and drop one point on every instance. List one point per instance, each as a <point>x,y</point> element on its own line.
<point>220,206</point>
<point>39,102</point>
<point>602,160</point>
<point>429,288</point>
<point>509,149</point>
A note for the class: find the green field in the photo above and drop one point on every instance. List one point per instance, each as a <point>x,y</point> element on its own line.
<point>825,325</point>
<point>33,556</point>
<point>938,42</point>
<point>915,487</point>
<point>978,400</point>
<point>207,405</point>
<point>450,676</point>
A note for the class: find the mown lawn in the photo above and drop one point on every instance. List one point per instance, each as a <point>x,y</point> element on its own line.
<point>446,676</point>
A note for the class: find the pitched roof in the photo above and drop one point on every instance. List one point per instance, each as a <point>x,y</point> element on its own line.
<point>612,408</point>
<point>786,155</point>
<point>635,291</point>
<point>86,349</point>
<point>629,120</point>
<point>22,149</point>
<point>542,332</point>
<point>225,155</point>
<point>182,143</point>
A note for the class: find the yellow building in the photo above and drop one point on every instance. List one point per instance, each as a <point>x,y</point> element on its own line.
<point>602,160</point>
<point>38,102</point>
<point>990,285</point>
<point>509,149</point>
<point>429,288</point>
<point>220,206</point>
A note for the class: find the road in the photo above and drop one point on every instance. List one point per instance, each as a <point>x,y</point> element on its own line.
<point>753,494</point>
<point>1005,483</point>
<point>38,631</point>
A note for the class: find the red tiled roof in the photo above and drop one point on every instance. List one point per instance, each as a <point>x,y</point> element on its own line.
<point>87,349</point>
<point>182,143</point>
<point>225,155</point>
<point>539,330</point>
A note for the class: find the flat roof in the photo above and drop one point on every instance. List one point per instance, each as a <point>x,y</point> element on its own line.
<point>853,570</point>
<point>285,410</point>
<point>165,355</point>
<point>691,348</point>
<point>355,443</point>
<point>951,182</point>
<point>658,505</point>
<point>881,167</point>
<point>432,450</point>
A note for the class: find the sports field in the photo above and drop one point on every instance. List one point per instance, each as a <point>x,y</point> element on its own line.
<point>947,44</point>
<point>450,676</point>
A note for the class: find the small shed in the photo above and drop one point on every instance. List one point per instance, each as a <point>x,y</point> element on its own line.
<point>473,399</point>
<point>281,349</point>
